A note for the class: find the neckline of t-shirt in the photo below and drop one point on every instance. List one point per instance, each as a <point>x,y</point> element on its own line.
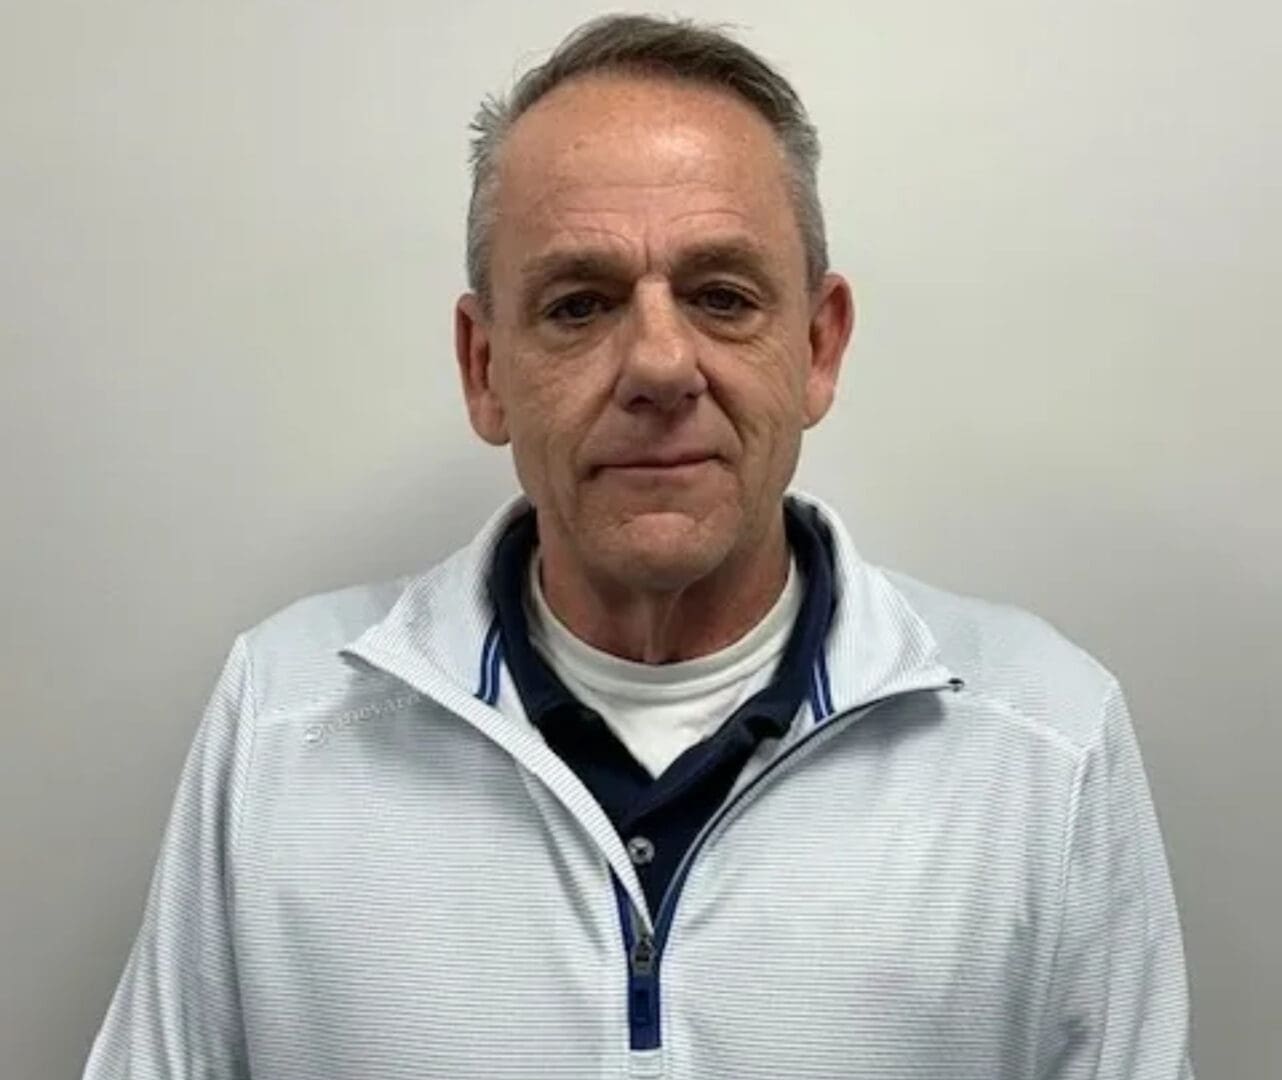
<point>604,672</point>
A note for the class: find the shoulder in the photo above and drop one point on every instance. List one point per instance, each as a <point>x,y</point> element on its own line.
<point>293,654</point>
<point>1015,661</point>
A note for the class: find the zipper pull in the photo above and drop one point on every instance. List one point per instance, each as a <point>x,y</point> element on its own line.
<point>643,954</point>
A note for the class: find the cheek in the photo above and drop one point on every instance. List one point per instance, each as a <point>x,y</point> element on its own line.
<point>764,396</point>
<point>550,408</point>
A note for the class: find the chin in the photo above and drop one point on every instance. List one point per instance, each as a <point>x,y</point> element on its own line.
<point>665,550</point>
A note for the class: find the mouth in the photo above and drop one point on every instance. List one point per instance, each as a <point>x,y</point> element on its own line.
<point>663,463</point>
<point>660,468</point>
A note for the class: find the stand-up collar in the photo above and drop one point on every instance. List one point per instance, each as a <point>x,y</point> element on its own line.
<point>445,624</point>
<point>545,695</point>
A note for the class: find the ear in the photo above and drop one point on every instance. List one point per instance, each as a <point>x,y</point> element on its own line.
<point>832,319</point>
<point>472,349</point>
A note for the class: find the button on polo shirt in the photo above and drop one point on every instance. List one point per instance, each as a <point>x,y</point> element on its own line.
<point>658,818</point>
<point>641,850</point>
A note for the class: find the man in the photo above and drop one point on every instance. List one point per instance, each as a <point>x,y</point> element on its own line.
<point>656,777</point>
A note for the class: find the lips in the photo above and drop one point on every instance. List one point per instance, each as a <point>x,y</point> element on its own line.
<point>636,458</point>
<point>661,461</point>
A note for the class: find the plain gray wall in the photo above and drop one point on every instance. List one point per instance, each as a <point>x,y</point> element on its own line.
<point>232,235</point>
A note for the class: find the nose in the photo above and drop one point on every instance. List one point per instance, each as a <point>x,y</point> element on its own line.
<point>660,362</point>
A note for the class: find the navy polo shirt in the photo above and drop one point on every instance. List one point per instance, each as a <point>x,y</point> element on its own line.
<point>658,817</point>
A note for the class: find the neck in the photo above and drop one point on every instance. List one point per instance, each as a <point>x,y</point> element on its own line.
<point>660,627</point>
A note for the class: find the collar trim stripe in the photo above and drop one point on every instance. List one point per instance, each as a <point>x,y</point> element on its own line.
<point>496,666</point>
<point>819,705</point>
<point>823,684</point>
<point>488,691</point>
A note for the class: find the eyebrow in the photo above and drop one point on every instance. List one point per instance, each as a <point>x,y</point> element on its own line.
<point>737,256</point>
<point>570,264</point>
<point>742,256</point>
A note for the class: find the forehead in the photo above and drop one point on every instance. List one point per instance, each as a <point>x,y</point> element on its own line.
<point>641,163</point>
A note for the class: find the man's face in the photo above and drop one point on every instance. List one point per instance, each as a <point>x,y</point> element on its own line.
<point>653,352</point>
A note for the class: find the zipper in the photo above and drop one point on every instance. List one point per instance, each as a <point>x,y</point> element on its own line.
<point>644,947</point>
<point>643,974</point>
<point>643,993</point>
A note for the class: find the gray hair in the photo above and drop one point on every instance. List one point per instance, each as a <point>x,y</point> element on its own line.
<point>641,44</point>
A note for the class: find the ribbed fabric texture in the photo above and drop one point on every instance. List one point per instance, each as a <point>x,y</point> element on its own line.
<point>369,872</point>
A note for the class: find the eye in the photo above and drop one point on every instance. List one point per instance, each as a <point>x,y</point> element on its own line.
<point>723,301</point>
<point>577,309</point>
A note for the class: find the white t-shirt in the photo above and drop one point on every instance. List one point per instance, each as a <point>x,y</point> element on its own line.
<point>660,710</point>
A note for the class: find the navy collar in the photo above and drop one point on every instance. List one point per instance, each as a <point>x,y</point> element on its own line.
<point>801,670</point>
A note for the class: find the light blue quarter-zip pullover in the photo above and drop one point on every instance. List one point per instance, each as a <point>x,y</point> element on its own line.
<point>949,867</point>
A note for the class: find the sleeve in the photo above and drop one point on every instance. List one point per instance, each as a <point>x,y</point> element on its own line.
<point>1117,1006</point>
<point>176,1014</point>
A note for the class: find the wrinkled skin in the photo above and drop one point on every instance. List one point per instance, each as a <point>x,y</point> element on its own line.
<point>653,355</point>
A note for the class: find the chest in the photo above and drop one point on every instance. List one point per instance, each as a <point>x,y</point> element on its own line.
<point>881,904</point>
